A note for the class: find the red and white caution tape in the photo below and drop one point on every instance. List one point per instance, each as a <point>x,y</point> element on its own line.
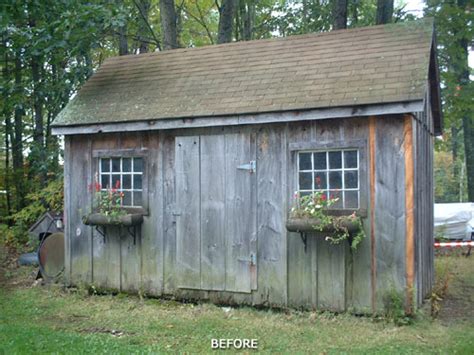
<point>454,244</point>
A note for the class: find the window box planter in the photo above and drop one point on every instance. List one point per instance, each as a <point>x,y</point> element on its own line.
<point>306,225</point>
<point>126,220</point>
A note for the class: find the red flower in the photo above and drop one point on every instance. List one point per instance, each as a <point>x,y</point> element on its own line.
<point>323,197</point>
<point>117,184</point>
<point>97,187</point>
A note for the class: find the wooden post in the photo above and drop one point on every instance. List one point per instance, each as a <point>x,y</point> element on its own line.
<point>409,210</point>
<point>372,208</point>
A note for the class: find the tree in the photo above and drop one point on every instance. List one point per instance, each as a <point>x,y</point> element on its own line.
<point>168,24</point>
<point>339,14</point>
<point>454,24</point>
<point>143,9</point>
<point>226,19</point>
<point>384,11</point>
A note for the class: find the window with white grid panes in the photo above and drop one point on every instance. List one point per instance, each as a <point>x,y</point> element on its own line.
<point>334,172</point>
<point>126,175</point>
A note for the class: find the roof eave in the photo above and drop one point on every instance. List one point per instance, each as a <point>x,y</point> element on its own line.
<point>415,105</point>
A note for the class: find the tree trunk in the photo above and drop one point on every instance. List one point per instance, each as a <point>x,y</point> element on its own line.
<point>17,137</point>
<point>247,19</point>
<point>144,8</point>
<point>339,14</point>
<point>168,24</point>
<point>384,11</point>
<point>226,19</point>
<point>123,43</point>
<point>355,13</point>
<point>7,115</point>
<point>467,112</point>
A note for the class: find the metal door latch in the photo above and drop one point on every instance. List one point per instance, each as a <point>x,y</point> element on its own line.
<point>251,166</point>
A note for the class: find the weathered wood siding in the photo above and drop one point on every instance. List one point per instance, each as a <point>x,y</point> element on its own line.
<point>424,202</point>
<point>287,272</point>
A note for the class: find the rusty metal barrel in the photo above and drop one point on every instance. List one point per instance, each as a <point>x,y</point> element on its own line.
<point>51,256</point>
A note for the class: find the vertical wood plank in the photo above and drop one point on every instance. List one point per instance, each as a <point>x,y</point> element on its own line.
<point>271,254</point>
<point>240,221</point>
<point>372,147</point>
<point>331,275</point>
<point>389,208</point>
<point>151,246</point>
<point>188,227</point>
<point>68,230</point>
<point>301,290</point>
<point>81,236</point>
<point>213,198</point>
<point>169,218</point>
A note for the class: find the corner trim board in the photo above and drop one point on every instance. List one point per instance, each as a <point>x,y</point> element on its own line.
<point>409,210</point>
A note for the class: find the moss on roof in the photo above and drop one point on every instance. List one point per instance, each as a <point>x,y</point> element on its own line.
<point>370,65</point>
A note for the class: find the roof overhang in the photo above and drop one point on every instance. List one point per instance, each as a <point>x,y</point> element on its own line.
<point>244,119</point>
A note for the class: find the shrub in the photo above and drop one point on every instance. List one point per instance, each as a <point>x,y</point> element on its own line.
<point>50,197</point>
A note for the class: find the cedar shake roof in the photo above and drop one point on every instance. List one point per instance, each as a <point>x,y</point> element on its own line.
<point>362,66</point>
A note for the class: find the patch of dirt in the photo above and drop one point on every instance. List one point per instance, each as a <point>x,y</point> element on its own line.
<point>458,304</point>
<point>114,332</point>
<point>12,275</point>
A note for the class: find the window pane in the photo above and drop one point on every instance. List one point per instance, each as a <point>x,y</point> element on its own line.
<point>350,159</point>
<point>335,180</point>
<point>137,165</point>
<point>105,165</point>
<point>320,180</point>
<point>319,161</point>
<point>336,195</point>
<point>127,198</point>
<point>335,160</point>
<point>351,199</point>
<point>305,161</point>
<point>115,181</point>
<point>305,181</point>
<point>116,165</point>
<point>350,179</point>
<point>126,181</point>
<point>137,182</point>
<point>305,193</point>
<point>126,164</point>
<point>137,198</point>
<point>104,181</point>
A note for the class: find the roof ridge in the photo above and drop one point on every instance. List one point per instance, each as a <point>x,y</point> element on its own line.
<point>269,40</point>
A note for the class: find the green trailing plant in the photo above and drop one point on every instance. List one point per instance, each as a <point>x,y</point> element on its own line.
<point>317,206</point>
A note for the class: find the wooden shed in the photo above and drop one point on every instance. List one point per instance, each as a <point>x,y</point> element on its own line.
<point>210,144</point>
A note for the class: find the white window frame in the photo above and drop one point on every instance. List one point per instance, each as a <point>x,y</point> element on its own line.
<point>327,171</point>
<point>131,173</point>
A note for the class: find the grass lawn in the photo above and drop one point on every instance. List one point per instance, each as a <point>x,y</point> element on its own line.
<point>49,319</point>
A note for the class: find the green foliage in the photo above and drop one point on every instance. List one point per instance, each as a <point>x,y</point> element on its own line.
<point>454,23</point>
<point>450,178</point>
<point>50,198</point>
<point>317,206</point>
<point>394,305</point>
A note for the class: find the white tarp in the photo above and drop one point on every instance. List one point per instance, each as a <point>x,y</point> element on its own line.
<point>454,220</point>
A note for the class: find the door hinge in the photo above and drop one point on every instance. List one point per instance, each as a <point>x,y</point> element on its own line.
<point>250,166</point>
